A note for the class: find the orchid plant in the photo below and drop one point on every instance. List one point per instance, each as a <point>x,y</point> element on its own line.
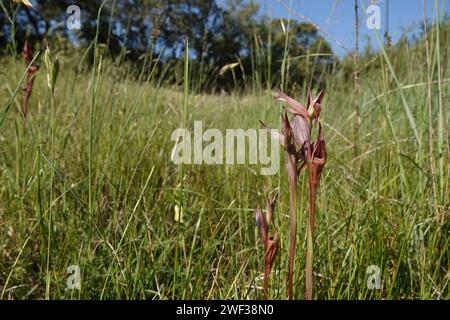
<point>300,152</point>
<point>271,243</point>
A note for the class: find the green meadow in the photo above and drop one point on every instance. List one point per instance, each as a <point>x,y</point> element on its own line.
<point>88,181</point>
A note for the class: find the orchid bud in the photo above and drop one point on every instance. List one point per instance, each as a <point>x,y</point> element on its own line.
<point>262,224</point>
<point>315,105</point>
<point>270,205</point>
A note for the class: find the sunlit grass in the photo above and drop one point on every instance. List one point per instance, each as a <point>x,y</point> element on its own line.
<point>115,190</point>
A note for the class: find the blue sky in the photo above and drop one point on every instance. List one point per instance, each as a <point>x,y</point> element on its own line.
<point>336,17</point>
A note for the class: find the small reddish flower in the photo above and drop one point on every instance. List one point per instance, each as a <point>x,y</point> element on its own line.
<point>27,55</point>
<point>271,243</point>
<point>316,159</point>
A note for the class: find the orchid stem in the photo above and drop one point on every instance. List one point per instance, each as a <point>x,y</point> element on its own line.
<point>266,275</point>
<point>293,218</point>
<point>309,241</point>
<point>293,221</point>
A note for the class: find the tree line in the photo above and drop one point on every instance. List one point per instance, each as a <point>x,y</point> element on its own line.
<point>231,45</point>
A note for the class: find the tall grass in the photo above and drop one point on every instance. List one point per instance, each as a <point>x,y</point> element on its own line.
<point>114,188</point>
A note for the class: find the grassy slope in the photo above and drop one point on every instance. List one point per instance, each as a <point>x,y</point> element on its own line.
<point>376,209</point>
